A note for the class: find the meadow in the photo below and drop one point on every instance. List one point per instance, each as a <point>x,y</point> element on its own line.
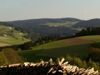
<point>78,46</point>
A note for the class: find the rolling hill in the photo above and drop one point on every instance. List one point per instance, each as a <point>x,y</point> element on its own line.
<point>82,47</point>
<point>79,46</point>
<point>9,37</point>
<point>60,27</point>
<point>88,23</point>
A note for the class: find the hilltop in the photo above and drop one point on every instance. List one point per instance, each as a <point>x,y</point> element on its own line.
<point>88,23</point>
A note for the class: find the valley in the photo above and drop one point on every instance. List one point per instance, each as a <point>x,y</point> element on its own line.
<point>33,40</point>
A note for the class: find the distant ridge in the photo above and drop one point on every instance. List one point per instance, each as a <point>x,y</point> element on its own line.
<point>88,23</point>
<point>55,27</point>
<point>69,18</point>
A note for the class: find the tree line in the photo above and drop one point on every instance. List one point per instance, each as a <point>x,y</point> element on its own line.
<point>89,31</point>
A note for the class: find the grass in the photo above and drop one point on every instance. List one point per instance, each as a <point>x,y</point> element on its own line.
<point>32,55</point>
<point>8,41</point>
<point>95,38</point>
<point>3,60</point>
<point>80,50</point>
<point>10,36</point>
<point>56,24</point>
<point>11,56</point>
<point>55,44</point>
<point>69,42</point>
<point>79,46</point>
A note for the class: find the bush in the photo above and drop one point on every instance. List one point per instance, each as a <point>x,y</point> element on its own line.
<point>82,63</point>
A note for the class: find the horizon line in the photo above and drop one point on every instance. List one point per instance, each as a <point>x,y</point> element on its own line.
<point>46,18</point>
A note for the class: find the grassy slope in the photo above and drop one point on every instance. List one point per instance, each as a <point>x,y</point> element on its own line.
<point>8,41</point>
<point>8,37</point>
<point>75,46</point>
<point>3,59</point>
<point>9,56</point>
<point>56,24</point>
<point>95,38</point>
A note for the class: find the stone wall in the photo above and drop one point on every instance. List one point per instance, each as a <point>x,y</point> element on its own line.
<point>46,68</point>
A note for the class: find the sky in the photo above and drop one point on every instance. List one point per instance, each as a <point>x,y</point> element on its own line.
<point>32,9</point>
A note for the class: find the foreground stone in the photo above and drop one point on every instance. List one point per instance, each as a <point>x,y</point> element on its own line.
<point>45,68</point>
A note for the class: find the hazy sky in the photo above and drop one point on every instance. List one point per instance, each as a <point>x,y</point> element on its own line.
<point>30,9</point>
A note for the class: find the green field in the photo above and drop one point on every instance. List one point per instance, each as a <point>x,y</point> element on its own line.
<point>66,24</point>
<point>9,36</point>
<point>9,56</point>
<point>8,41</point>
<point>3,59</point>
<point>79,46</point>
<point>95,38</point>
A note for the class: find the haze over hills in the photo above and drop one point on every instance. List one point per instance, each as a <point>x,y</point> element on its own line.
<point>47,27</point>
<point>88,23</point>
<point>58,27</point>
<point>56,22</point>
<point>38,30</point>
<point>84,47</point>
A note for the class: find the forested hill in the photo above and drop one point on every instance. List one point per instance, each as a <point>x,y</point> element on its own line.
<point>59,27</point>
<point>53,28</point>
<point>89,31</point>
<point>88,23</point>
